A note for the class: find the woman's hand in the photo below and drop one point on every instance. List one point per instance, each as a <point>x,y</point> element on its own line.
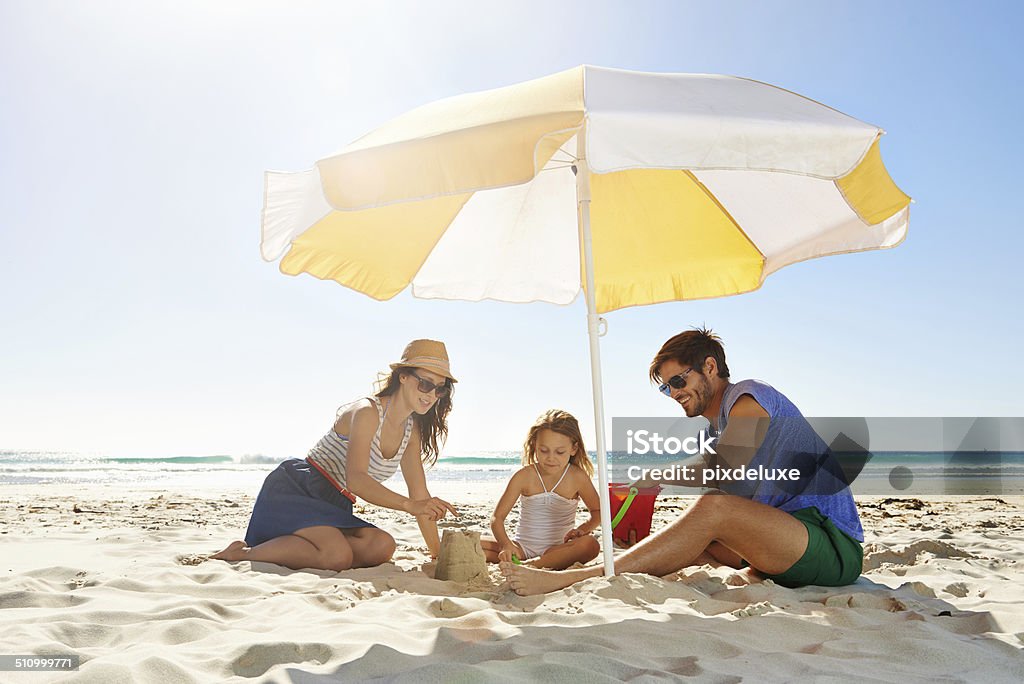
<point>431,509</point>
<point>572,534</point>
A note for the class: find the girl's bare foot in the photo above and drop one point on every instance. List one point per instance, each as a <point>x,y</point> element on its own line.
<point>234,552</point>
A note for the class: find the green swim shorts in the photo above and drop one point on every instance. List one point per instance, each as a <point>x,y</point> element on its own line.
<point>832,559</point>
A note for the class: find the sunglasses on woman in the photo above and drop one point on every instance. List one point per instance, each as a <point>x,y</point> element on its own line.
<point>427,387</point>
<point>675,382</point>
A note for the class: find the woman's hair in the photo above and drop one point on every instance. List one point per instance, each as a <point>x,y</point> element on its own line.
<point>563,423</point>
<point>433,424</point>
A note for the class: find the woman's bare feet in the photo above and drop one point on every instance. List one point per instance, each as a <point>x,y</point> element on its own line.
<point>234,552</point>
<point>527,581</point>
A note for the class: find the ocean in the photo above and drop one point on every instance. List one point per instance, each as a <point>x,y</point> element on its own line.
<point>245,471</point>
<point>896,473</point>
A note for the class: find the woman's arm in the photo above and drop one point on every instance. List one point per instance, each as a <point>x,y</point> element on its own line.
<point>592,501</point>
<point>357,463</point>
<point>416,481</point>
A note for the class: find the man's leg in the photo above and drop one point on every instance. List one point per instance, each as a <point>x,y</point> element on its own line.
<point>769,539</point>
<point>717,554</point>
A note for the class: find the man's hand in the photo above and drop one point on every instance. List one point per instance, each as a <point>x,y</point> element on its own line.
<point>684,473</point>
<point>626,544</point>
<point>645,482</point>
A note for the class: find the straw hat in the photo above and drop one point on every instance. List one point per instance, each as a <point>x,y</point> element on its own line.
<point>427,354</point>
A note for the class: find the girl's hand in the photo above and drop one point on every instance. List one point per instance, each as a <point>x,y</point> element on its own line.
<point>572,534</point>
<point>506,553</point>
<point>432,508</point>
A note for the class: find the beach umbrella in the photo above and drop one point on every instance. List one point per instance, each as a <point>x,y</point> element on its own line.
<point>636,188</point>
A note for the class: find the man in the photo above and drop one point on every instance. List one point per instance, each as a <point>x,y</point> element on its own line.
<point>798,531</point>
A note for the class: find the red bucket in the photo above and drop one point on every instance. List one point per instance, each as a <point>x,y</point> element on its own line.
<point>632,510</point>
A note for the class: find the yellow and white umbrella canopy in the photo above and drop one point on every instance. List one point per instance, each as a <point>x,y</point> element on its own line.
<point>701,186</point>
<point>637,188</point>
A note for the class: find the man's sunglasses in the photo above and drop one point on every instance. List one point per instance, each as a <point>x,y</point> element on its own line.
<point>675,382</point>
<point>427,387</point>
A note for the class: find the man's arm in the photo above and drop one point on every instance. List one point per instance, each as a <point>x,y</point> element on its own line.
<point>742,437</point>
<point>682,473</point>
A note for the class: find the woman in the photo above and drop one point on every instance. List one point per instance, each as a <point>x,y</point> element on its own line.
<point>303,515</point>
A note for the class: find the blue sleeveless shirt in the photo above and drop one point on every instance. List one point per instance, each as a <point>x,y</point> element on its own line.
<point>789,443</point>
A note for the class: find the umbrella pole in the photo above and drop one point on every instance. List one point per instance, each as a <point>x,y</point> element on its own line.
<point>593,325</point>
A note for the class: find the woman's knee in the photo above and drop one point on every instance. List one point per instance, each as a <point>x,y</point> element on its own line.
<point>332,550</point>
<point>378,547</point>
<point>337,556</point>
<point>385,546</point>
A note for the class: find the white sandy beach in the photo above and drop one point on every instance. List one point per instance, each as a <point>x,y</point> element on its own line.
<point>122,582</point>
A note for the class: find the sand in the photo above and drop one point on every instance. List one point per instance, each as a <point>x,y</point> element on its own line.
<point>120,579</point>
<point>461,558</point>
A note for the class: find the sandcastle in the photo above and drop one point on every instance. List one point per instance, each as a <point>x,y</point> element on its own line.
<point>461,558</point>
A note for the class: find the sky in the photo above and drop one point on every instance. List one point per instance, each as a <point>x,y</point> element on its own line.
<point>138,317</point>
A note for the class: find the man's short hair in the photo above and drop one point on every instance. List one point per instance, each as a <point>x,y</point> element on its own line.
<point>691,348</point>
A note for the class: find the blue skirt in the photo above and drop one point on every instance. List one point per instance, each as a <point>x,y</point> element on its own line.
<point>295,496</point>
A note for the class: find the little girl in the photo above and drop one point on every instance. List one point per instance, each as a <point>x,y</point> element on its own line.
<point>555,476</point>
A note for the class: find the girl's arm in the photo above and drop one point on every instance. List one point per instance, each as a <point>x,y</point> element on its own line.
<point>502,509</point>
<point>357,462</point>
<point>416,481</point>
<point>592,501</point>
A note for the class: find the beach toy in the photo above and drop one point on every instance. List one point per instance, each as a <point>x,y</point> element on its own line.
<point>632,510</point>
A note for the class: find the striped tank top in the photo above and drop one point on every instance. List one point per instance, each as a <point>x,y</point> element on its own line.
<point>329,454</point>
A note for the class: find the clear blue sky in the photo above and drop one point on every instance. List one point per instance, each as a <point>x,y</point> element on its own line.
<point>137,316</point>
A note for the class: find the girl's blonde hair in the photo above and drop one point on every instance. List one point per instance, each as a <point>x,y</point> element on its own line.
<point>563,423</point>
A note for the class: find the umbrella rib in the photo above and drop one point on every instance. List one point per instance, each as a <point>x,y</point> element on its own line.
<point>572,157</point>
<point>711,196</point>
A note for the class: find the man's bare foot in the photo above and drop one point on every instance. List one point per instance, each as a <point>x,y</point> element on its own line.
<point>531,581</point>
<point>234,552</point>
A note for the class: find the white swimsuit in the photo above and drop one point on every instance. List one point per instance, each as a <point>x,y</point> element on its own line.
<point>545,518</point>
